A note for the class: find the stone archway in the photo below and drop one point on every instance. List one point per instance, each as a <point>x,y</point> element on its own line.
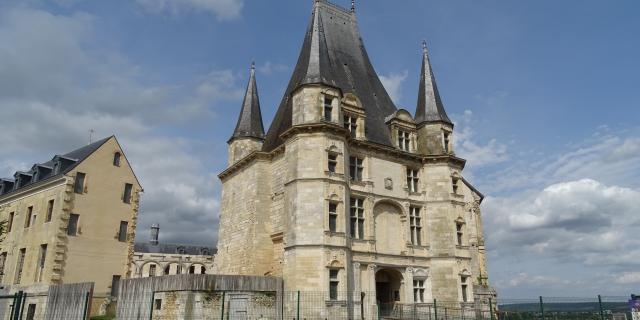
<point>388,228</point>
<point>388,290</point>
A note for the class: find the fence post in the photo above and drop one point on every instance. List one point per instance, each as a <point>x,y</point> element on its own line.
<point>298,307</point>
<point>24,301</point>
<point>490,308</point>
<point>86,305</point>
<point>153,298</point>
<point>541,308</point>
<point>601,310</point>
<point>362,294</point>
<point>435,309</point>
<point>222,309</point>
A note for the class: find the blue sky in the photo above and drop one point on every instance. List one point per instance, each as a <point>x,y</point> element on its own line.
<point>544,95</point>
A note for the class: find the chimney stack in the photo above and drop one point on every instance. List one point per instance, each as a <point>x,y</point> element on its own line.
<point>155,230</point>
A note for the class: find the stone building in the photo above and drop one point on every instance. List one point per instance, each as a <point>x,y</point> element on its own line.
<point>160,259</point>
<point>346,192</point>
<point>71,219</point>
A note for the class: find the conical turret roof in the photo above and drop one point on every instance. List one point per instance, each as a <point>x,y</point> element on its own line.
<point>333,54</point>
<point>430,107</point>
<point>250,121</point>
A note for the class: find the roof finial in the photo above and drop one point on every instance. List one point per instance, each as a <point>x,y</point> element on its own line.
<point>424,47</point>
<point>353,6</point>
<point>91,132</point>
<point>253,64</point>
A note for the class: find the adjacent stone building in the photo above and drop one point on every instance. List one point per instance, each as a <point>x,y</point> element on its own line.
<point>71,219</point>
<point>347,193</point>
<point>161,259</point>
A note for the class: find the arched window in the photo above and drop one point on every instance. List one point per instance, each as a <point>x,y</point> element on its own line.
<point>167,269</point>
<point>192,269</point>
<point>116,159</point>
<point>203,270</point>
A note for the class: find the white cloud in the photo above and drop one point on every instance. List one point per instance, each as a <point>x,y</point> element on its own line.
<point>628,277</point>
<point>476,153</point>
<point>269,68</point>
<point>56,86</point>
<point>222,9</point>
<point>393,83</point>
<point>581,221</point>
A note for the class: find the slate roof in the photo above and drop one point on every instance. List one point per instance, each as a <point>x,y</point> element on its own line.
<point>250,120</point>
<point>333,54</point>
<point>167,248</point>
<point>45,171</point>
<point>429,107</point>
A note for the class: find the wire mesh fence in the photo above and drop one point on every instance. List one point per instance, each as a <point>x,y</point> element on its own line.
<point>305,305</point>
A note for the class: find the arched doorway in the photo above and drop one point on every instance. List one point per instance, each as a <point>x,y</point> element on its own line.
<point>388,290</point>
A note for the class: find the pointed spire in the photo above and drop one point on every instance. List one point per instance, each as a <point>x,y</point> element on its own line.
<point>250,121</point>
<point>353,6</point>
<point>430,108</point>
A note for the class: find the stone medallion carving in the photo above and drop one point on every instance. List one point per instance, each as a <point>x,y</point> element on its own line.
<point>388,183</point>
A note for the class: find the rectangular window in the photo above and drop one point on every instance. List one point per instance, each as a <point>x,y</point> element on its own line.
<point>415,221</point>
<point>20,265</point>
<point>152,270</point>
<point>128,187</point>
<point>49,211</point>
<point>27,218</point>
<point>328,108</point>
<point>357,218</point>
<point>42,258</point>
<point>333,284</point>
<point>446,142</point>
<point>418,291</point>
<point>351,124</point>
<point>10,222</point>
<point>116,159</point>
<point>355,168</point>
<point>122,233</point>
<point>3,260</point>
<point>31,311</point>
<point>412,180</point>
<point>454,184</point>
<point>332,162</point>
<point>158,304</point>
<point>79,184</point>
<point>404,140</point>
<point>463,281</point>
<point>459,233</point>
<point>115,282</point>
<point>72,228</point>
<point>333,216</point>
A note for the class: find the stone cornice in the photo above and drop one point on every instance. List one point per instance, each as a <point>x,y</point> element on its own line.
<point>338,130</point>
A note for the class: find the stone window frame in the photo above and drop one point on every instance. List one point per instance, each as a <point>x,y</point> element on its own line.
<point>339,279</point>
<point>419,289</point>
<point>412,175</point>
<point>357,217</point>
<point>362,166</point>
<point>325,95</point>
<point>333,150</point>
<point>50,207</point>
<point>404,140</point>
<point>465,286</point>
<point>352,108</point>
<point>416,226</point>
<point>447,141</point>
<point>460,231</point>
<point>117,157</point>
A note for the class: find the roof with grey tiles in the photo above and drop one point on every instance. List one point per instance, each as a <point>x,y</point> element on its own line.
<point>250,120</point>
<point>333,54</point>
<point>429,107</point>
<point>57,166</point>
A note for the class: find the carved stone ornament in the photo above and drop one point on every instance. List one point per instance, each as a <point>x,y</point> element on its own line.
<point>388,183</point>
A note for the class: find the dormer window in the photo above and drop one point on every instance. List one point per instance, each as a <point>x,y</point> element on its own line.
<point>116,159</point>
<point>351,124</point>
<point>404,140</point>
<point>35,176</point>
<point>56,167</point>
<point>328,108</point>
<point>180,250</point>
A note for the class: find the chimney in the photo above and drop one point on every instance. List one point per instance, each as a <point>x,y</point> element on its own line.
<point>155,230</point>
